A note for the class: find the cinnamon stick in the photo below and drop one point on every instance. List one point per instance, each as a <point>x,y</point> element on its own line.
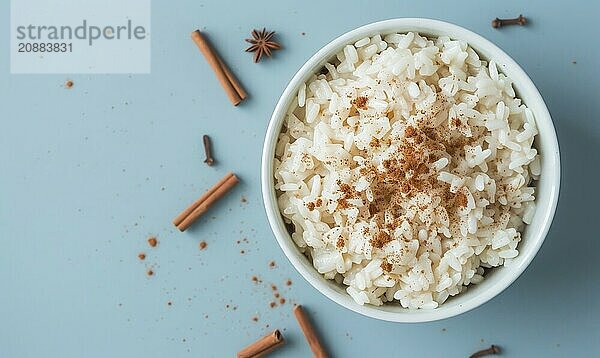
<point>263,346</point>
<point>234,82</point>
<point>195,204</point>
<point>204,202</point>
<point>232,87</point>
<point>309,333</point>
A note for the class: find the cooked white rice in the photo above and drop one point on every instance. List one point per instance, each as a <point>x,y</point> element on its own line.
<point>405,169</point>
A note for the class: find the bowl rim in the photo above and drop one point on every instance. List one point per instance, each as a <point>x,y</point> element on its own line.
<point>427,27</point>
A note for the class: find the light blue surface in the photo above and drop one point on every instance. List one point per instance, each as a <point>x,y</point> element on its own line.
<point>87,174</point>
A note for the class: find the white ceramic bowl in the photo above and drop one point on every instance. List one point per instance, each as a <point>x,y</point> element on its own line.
<point>496,280</point>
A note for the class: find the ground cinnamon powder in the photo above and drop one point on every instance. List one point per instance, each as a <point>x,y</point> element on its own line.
<point>347,193</point>
<point>152,241</point>
<point>409,171</point>
<point>386,266</point>
<point>380,239</point>
<point>461,199</point>
<point>360,102</point>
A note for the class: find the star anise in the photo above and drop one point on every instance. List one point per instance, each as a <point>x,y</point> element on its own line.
<point>262,44</point>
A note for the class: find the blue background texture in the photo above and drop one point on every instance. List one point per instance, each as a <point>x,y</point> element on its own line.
<point>88,173</point>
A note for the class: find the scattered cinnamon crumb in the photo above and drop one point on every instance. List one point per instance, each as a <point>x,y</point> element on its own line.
<point>150,272</point>
<point>255,318</point>
<point>348,192</point>
<point>272,304</point>
<point>255,279</point>
<point>318,202</point>
<point>282,301</point>
<point>461,199</point>
<point>272,264</point>
<point>375,143</point>
<point>142,256</point>
<point>360,102</point>
<point>380,239</point>
<point>310,206</point>
<point>274,288</point>
<point>340,243</point>
<point>276,294</point>
<point>152,241</point>
<point>288,282</point>
<point>202,245</point>
<point>69,84</point>
<point>386,266</point>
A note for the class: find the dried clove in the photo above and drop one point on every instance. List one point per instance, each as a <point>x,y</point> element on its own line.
<point>485,352</point>
<point>497,23</point>
<point>207,149</point>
